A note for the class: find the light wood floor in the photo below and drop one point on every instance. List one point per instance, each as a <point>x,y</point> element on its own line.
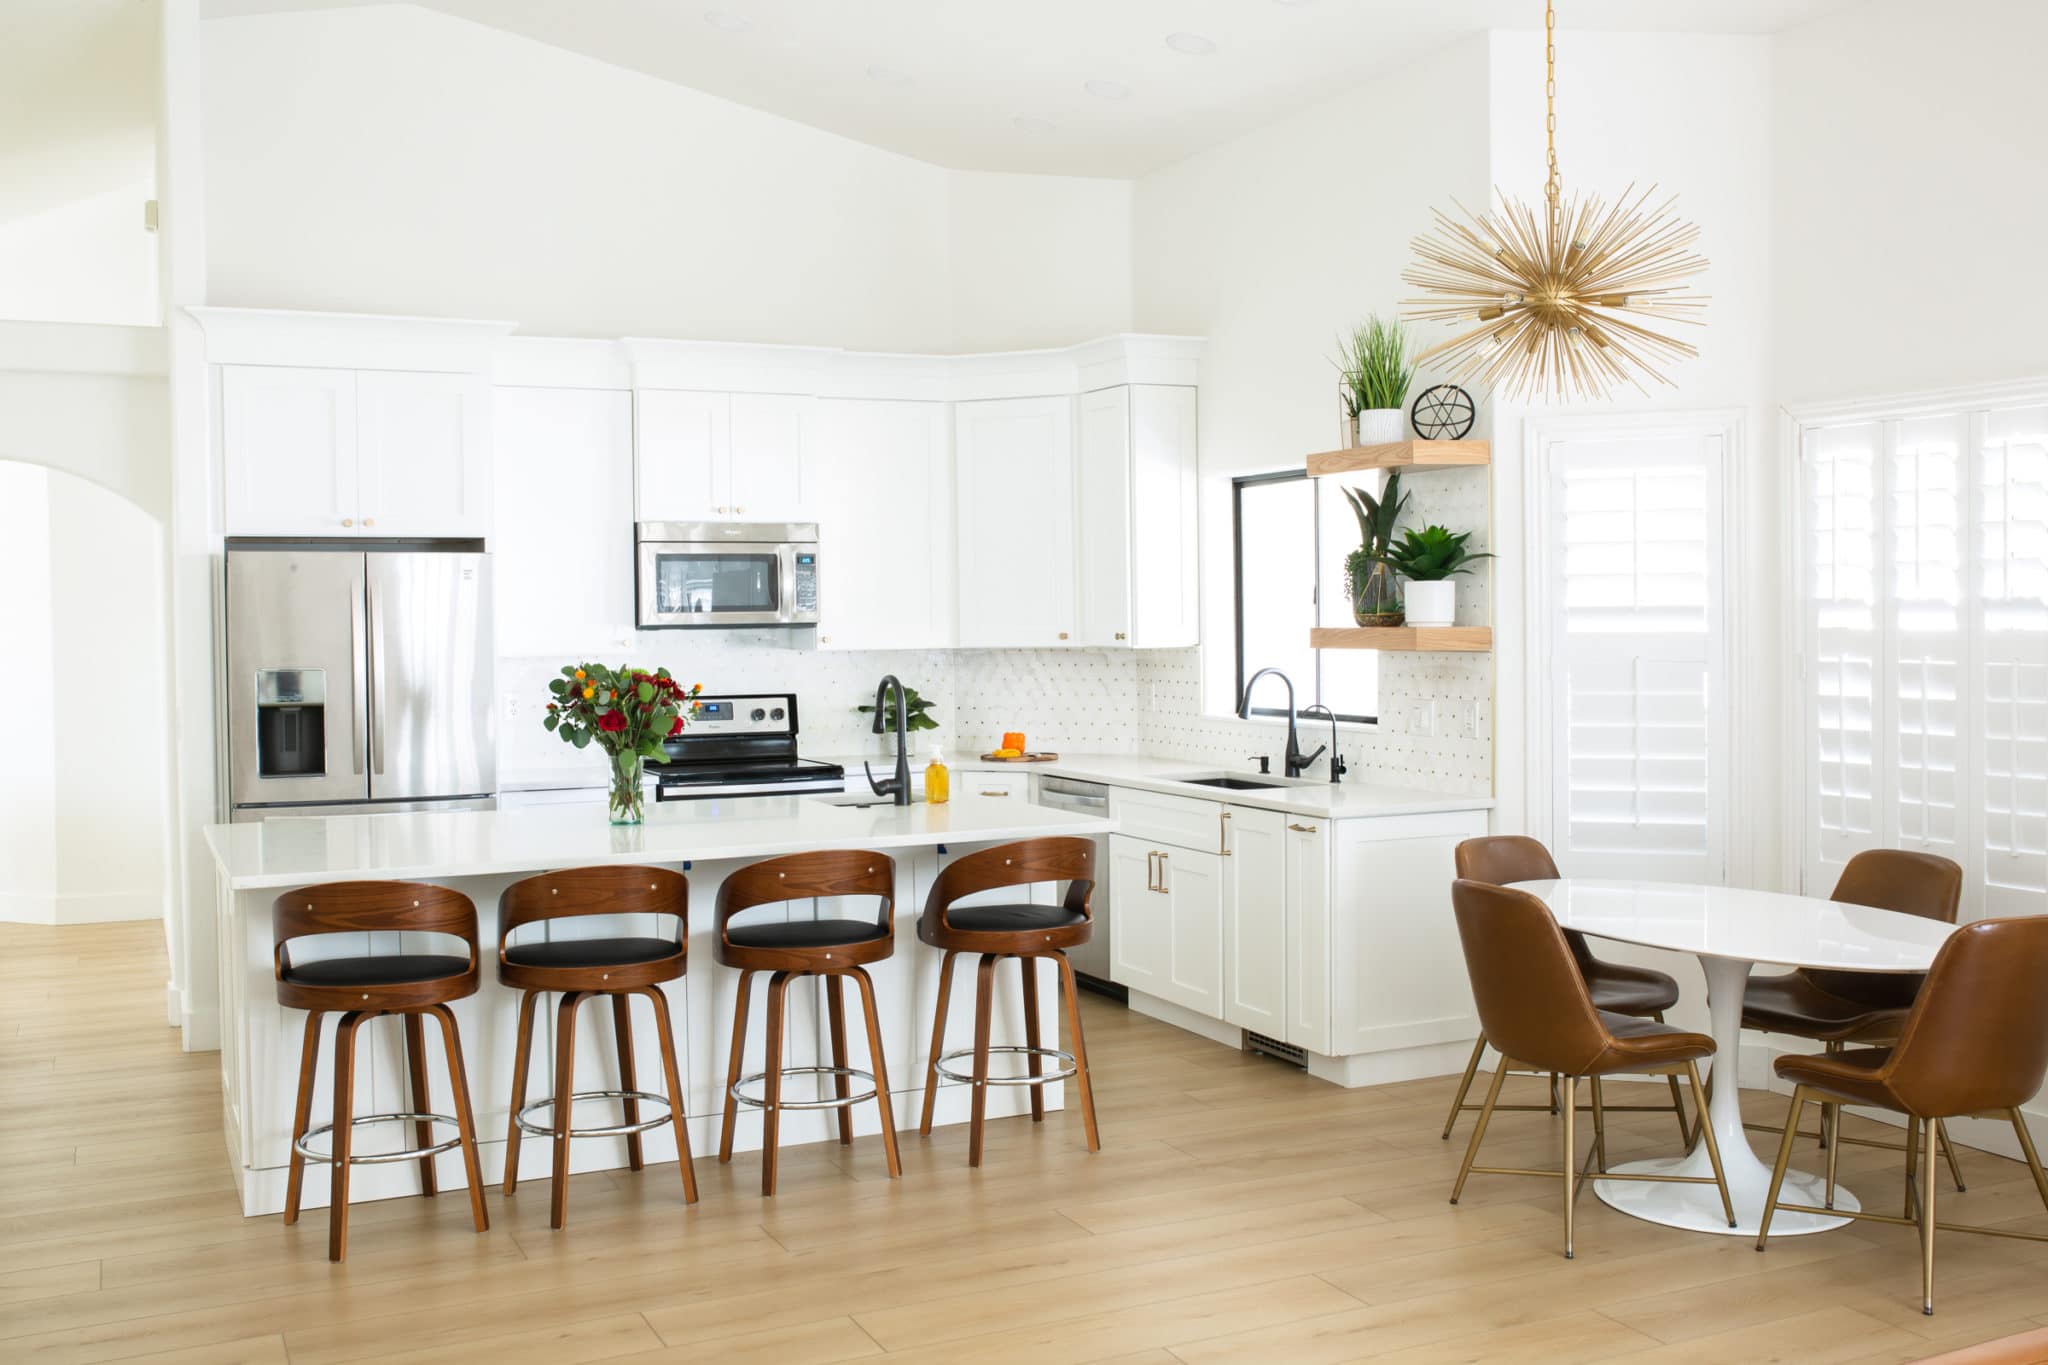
<point>1238,1211</point>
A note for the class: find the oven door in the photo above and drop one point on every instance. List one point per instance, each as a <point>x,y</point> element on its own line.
<point>701,583</point>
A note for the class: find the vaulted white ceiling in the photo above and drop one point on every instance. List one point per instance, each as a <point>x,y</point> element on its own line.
<point>1073,87</point>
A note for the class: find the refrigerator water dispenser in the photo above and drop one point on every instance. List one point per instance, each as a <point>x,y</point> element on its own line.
<point>291,722</point>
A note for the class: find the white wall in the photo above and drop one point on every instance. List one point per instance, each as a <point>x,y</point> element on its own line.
<point>398,160</point>
<point>1907,143</point>
<point>28,826</point>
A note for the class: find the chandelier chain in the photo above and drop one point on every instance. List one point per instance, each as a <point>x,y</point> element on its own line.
<point>1552,189</point>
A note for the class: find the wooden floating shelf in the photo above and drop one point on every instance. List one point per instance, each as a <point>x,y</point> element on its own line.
<point>1402,455</point>
<point>1411,639</point>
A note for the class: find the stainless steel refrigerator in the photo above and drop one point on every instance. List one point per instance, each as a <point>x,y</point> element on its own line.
<point>358,681</point>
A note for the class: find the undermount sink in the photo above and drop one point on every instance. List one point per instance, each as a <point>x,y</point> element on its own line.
<point>1236,784</point>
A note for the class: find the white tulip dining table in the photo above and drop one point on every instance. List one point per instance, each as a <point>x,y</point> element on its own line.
<point>1730,930</point>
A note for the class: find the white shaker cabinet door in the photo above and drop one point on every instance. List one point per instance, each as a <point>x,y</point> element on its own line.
<point>1014,466</point>
<point>288,442</point>
<point>1308,934</point>
<point>563,494</point>
<point>1102,483</point>
<point>1255,958</point>
<point>1141,918</point>
<point>766,475</point>
<point>681,455</point>
<point>1196,889</point>
<point>1164,608</point>
<point>423,454</point>
<point>880,476</point>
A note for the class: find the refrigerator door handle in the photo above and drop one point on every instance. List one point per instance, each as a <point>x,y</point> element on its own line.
<point>359,702</point>
<point>376,677</point>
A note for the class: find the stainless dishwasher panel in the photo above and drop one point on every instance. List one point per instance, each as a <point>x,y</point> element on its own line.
<point>1091,798</point>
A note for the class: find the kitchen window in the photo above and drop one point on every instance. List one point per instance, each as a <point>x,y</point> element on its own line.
<point>1284,544</point>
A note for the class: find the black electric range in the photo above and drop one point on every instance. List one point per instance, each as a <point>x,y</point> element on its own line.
<point>741,746</point>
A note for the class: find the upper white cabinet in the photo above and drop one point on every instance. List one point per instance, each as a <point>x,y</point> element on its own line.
<point>320,452</point>
<point>881,475</point>
<point>564,487</point>
<point>1014,467</point>
<point>1135,517</point>
<point>722,457</point>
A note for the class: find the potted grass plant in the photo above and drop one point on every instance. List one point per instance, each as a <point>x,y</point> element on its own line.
<point>1368,577</point>
<point>1375,371</point>
<point>1428,561</point>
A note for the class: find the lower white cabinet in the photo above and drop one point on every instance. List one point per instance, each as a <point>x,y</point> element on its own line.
<point>1166,927</point>
<point>1307,856</point>
<point>1256,960</point>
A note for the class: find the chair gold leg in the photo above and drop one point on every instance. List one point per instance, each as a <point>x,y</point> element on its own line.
<point>1500,1074</point>
<point>1955,1169</point>
<point>1464,1087</point>
<point>1928,1153</point>
<point>1692,1073</point>
<point>1798,1106</point>
<point>1599,1128</point>
<point>2019,1126</point>
<point>1685,1133</point>
<point>1569,1104</point>
<point>1831,1124</point>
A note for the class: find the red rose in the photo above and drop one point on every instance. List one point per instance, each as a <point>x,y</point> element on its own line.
<point>612,721</point>
<point>676,729</point>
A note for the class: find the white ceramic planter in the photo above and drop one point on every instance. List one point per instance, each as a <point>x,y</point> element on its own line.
<point>1382,426</point>
<point>1430,604</point>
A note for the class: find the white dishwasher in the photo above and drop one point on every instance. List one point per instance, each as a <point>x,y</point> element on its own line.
<point>1091,959</point>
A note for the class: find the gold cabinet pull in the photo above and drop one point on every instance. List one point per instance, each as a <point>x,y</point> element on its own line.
<point>1223,834</point>
<point>1303,829</point>
<point>1161,888</point>
<point>1151,870</point>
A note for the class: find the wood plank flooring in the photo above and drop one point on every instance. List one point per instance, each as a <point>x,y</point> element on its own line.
<point>1239,1211</point>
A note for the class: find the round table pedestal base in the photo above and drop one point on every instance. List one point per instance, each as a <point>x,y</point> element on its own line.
<point>1697,1208</point>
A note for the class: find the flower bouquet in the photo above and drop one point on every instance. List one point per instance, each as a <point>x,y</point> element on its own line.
<point>627,712</point>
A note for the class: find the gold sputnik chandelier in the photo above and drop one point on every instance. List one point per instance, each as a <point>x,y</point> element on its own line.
<point>1561,300</point>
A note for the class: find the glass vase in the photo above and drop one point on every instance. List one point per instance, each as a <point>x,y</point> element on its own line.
<point>1376,595</point>
<point>628,805</point>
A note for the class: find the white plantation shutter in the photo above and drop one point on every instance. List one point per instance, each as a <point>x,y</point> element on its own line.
<point>1925,546</point>
<point>1636,648</point>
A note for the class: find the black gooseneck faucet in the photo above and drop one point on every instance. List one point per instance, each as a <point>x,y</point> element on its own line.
<point>898,786</point>
<point>1337,768</point>
<point>1296,759</point>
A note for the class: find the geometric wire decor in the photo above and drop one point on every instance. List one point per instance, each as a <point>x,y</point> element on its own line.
<point>1563,302</point>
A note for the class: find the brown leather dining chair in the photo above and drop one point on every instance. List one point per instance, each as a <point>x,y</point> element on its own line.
<point>1974,1043</point>
<point>1840,1009</point>
<point>1635,991</point>
<point>1538,1013</point>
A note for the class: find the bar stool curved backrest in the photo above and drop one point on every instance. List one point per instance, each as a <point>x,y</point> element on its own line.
<point>1911,883</point>
<point>585,968</point>
<point>803,876</point>
<point>374,907</point>
<point>1025,863</point>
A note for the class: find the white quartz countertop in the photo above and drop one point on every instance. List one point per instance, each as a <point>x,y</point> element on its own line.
<point>298,851</point>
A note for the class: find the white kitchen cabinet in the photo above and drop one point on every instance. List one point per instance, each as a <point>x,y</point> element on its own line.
<point>1014,474</point>
<point>1255,946</point>
<point>288,440</point>
<point>1135,517</point>
<point>1141,921</point>
<point>881,474</point>
<point>1166,928</point>
<point>721,456</point>
<point>423,454</point>
<point>563,486</point>
<point>319,452</point>
<point>1308,933</point>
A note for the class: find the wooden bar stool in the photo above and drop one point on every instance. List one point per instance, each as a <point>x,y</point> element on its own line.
<point>586,968</point>
<point>830,948</point>
<point>1022,931</point>
<point>361,989</point>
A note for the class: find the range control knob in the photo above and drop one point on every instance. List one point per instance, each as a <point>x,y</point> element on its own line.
<point>776,714</point>
<point>759,714</point>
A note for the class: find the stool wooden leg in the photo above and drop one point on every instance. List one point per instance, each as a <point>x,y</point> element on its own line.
<point>835,1005</point>
<point>732,1066</point>
<point>344,1113</point>
<point>565,1086</point>
<point>622,1026</point>
<point>931,1066</point>
<point>984,1002</point>
<point>881,1069</point>
<point>1081,1080</point>
<point>1030,966</point>
<point>524,1059</point>
<point>465,1121</point>
<point>416,1064</point>
<point>302,1113</point>
<point>771,1112</point>
<point>674,1078</point>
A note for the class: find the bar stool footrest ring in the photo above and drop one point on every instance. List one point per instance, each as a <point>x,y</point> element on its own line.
<point>305,1149</point>
<point>821,1072</point>
<point>1064,1065</point>
<point>547,1130</point>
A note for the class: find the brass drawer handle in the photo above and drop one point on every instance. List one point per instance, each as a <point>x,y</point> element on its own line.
<point>1161,888</point>
<point>1303,829</point>
<point>1223,834</point>
<point>995,793</point>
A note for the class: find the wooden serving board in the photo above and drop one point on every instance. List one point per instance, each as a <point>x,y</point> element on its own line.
<point>1021,758</point>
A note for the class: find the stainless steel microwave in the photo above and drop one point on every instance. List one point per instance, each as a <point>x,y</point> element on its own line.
<point>726,573</point>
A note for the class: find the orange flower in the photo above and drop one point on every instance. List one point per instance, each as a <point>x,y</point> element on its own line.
<point>589,692</point>
<point>579,675</point>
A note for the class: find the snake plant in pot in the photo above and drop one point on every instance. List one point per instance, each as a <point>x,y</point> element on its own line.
<point>1428,560</point>
<point>1375,597</point>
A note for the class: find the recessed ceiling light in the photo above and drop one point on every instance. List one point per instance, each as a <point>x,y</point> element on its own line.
<point>1108,90</point>
<point>1032,123</point>
<point>1191,44</point>
<point>888,75</point>
<point>726,23</point>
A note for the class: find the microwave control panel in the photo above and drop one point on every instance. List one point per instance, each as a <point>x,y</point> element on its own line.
<point>807,581</point>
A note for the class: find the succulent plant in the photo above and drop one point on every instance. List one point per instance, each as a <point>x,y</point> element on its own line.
<point>1432,554</point>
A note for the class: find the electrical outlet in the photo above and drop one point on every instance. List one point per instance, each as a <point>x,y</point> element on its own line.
<point>511,706</point>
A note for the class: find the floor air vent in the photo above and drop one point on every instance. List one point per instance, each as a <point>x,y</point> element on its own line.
<point>1273,1047</point>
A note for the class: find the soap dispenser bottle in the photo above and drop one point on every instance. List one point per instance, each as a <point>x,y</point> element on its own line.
<point>937,781</point>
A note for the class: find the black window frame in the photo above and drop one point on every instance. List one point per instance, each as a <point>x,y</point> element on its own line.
<point>1314,685</point>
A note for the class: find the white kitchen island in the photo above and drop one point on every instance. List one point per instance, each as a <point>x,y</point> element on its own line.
<point>482,852</point>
